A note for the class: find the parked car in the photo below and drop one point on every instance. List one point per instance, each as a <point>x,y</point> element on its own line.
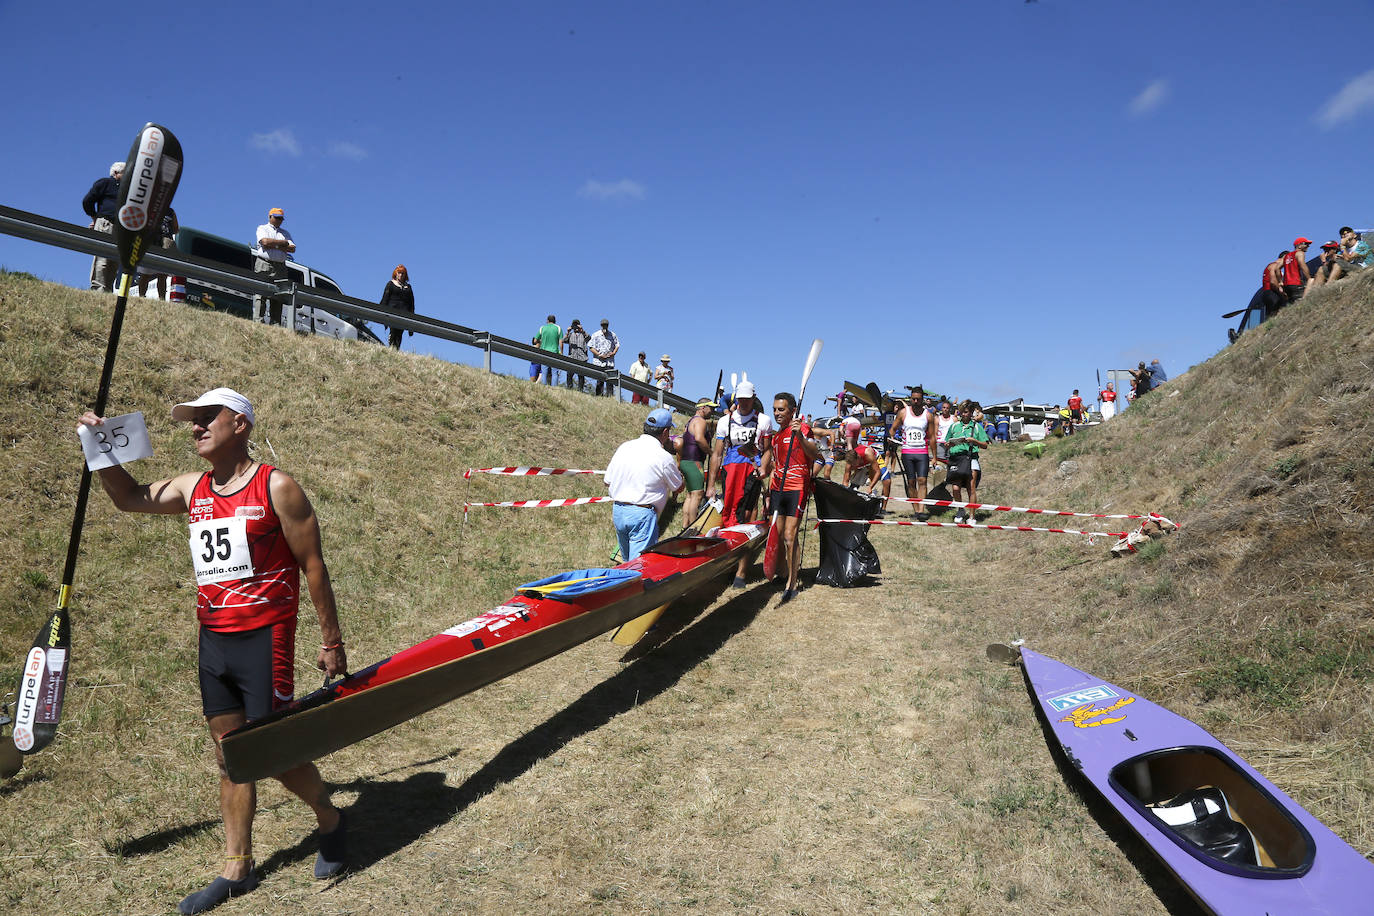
<point>211,295</point>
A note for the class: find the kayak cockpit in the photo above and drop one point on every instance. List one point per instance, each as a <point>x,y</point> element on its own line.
<point>689,546</point>
<point>1202,801</point>
<point>579,583</point>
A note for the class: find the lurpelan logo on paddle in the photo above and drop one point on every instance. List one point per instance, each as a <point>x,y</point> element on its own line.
<point>1068,701</point>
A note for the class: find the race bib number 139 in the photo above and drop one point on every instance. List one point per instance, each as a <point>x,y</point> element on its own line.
<point>219,550</point>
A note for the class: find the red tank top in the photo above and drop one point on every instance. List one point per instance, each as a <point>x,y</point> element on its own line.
<point>1075,403</point>
<point>1292,273</point>
<point>797,474</point>
<point>1264,277</point>
<point>246,575</point>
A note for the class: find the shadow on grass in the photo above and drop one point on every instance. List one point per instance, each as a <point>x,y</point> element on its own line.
<point>388,816</point>
<point>1161,881</point>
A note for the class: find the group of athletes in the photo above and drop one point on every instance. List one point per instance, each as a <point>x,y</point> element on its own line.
<point>734,456</point>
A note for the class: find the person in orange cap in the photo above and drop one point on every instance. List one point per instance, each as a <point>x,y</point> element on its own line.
<point>269,262</point>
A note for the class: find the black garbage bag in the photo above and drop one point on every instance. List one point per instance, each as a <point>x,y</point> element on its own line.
<point>847,558</point>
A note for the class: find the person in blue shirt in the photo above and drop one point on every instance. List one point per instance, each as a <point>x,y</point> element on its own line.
<point>1157,375</point>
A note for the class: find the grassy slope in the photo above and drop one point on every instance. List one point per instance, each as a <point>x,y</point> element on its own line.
<point>851,752</point>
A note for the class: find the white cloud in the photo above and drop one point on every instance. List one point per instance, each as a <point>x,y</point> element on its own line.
<point>624,189</point>
<point>342,149</point>
<point>1150,98</point>
<point>281,140</point>
<point>1356,97</point>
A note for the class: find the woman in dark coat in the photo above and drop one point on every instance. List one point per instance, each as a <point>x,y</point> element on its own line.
<point>398,295</point>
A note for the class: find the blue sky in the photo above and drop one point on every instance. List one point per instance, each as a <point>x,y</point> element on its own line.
<point>992,198</point>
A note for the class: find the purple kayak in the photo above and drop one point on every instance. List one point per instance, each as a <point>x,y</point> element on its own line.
<point>1235,841</point>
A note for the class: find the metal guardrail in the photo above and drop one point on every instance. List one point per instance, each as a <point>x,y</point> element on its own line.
<point>42,229</point>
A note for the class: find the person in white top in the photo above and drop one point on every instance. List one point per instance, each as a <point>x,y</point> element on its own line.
<point>269,260</point>
<point>641,476</point>
<point>663,373</point>
<point>640,371</point>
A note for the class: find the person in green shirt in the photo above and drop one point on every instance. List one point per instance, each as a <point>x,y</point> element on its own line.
<point>550,338</point>
<point>964,438</point>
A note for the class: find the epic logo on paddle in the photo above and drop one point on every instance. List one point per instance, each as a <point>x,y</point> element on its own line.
<point>1081,697</point>
<point>133,214</point>
<point>30,688</point>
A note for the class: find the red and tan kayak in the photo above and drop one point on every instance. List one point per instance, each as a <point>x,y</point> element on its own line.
<point>540,620</point>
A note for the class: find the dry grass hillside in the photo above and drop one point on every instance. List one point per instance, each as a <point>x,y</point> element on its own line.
<point>849,752</point>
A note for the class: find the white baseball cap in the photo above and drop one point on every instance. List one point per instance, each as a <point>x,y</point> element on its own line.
<point>216,397</point>
<point>744,390</point>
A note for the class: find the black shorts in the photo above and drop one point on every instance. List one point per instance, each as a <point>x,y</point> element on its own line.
<point>916,466</point>
<point>253,670</point>
<point>787,503</point>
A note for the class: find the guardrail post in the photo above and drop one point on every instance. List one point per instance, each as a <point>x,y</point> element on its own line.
<point>486,356</point>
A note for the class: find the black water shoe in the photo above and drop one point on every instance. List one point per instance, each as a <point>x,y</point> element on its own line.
<point>218,891</point>
<point>333,851</point>
<point>738,583</point>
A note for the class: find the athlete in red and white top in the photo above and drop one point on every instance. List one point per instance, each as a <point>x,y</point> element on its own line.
<point>915,421</point>
<point>252,531</point>
<point>789,462</point>
<point>1108,398</point>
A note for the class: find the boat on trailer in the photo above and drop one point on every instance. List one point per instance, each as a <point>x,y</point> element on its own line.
<point>540,620</point>
<point>1238,844</point>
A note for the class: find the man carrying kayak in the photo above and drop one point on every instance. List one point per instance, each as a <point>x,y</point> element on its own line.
<point>253,531</point>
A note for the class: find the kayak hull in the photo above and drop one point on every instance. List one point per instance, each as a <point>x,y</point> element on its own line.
<point>525,630</point>
<point>1143,758</point>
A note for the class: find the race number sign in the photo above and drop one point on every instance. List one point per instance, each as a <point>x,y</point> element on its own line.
<point>219,550</point>
<point>118,440</point>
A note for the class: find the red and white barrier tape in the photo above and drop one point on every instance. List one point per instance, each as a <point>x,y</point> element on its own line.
<point>526,472</point>
<point>988,507</point>
<point>544,503</point>
<point>916,524</point>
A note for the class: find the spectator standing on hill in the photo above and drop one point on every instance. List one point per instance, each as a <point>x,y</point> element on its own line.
<point>916,422</point>
<point>1295,273</point>
<point>1140,380</point>
<point>790,461</point>
<point>964,440</point>
<point>1075,407</point>
<point>245,515</point>
<point>693,456</point>
<point>1157,374</point>
<point>550,337</point>
<point>604,346</point>
<point>1108,398</point>
<point>743,437</point>
<point>535,368</point>
<point>576,341</point>
<point>269,262</point>
<point>663,374</point>
<point>398,296</point>
<point>640,371</point>
<point>640,477</point>
<point>943,422</point>
<point>168,230</point>
<point>101,203</point>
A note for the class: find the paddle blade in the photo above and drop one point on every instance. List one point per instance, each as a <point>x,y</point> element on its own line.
<point>811,358</point>
<point>43,683</point>
<point>150,179</point>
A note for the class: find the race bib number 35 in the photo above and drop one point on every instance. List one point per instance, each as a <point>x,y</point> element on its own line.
<point>118,440</point>
<point>219,550</point>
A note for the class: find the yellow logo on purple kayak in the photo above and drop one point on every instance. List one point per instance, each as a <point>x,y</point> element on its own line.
<point>1067,701</point>
<point>1083,716</point>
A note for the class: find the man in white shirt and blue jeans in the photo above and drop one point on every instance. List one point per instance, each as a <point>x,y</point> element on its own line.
<point>269,261</point>
<point>642,474</point>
